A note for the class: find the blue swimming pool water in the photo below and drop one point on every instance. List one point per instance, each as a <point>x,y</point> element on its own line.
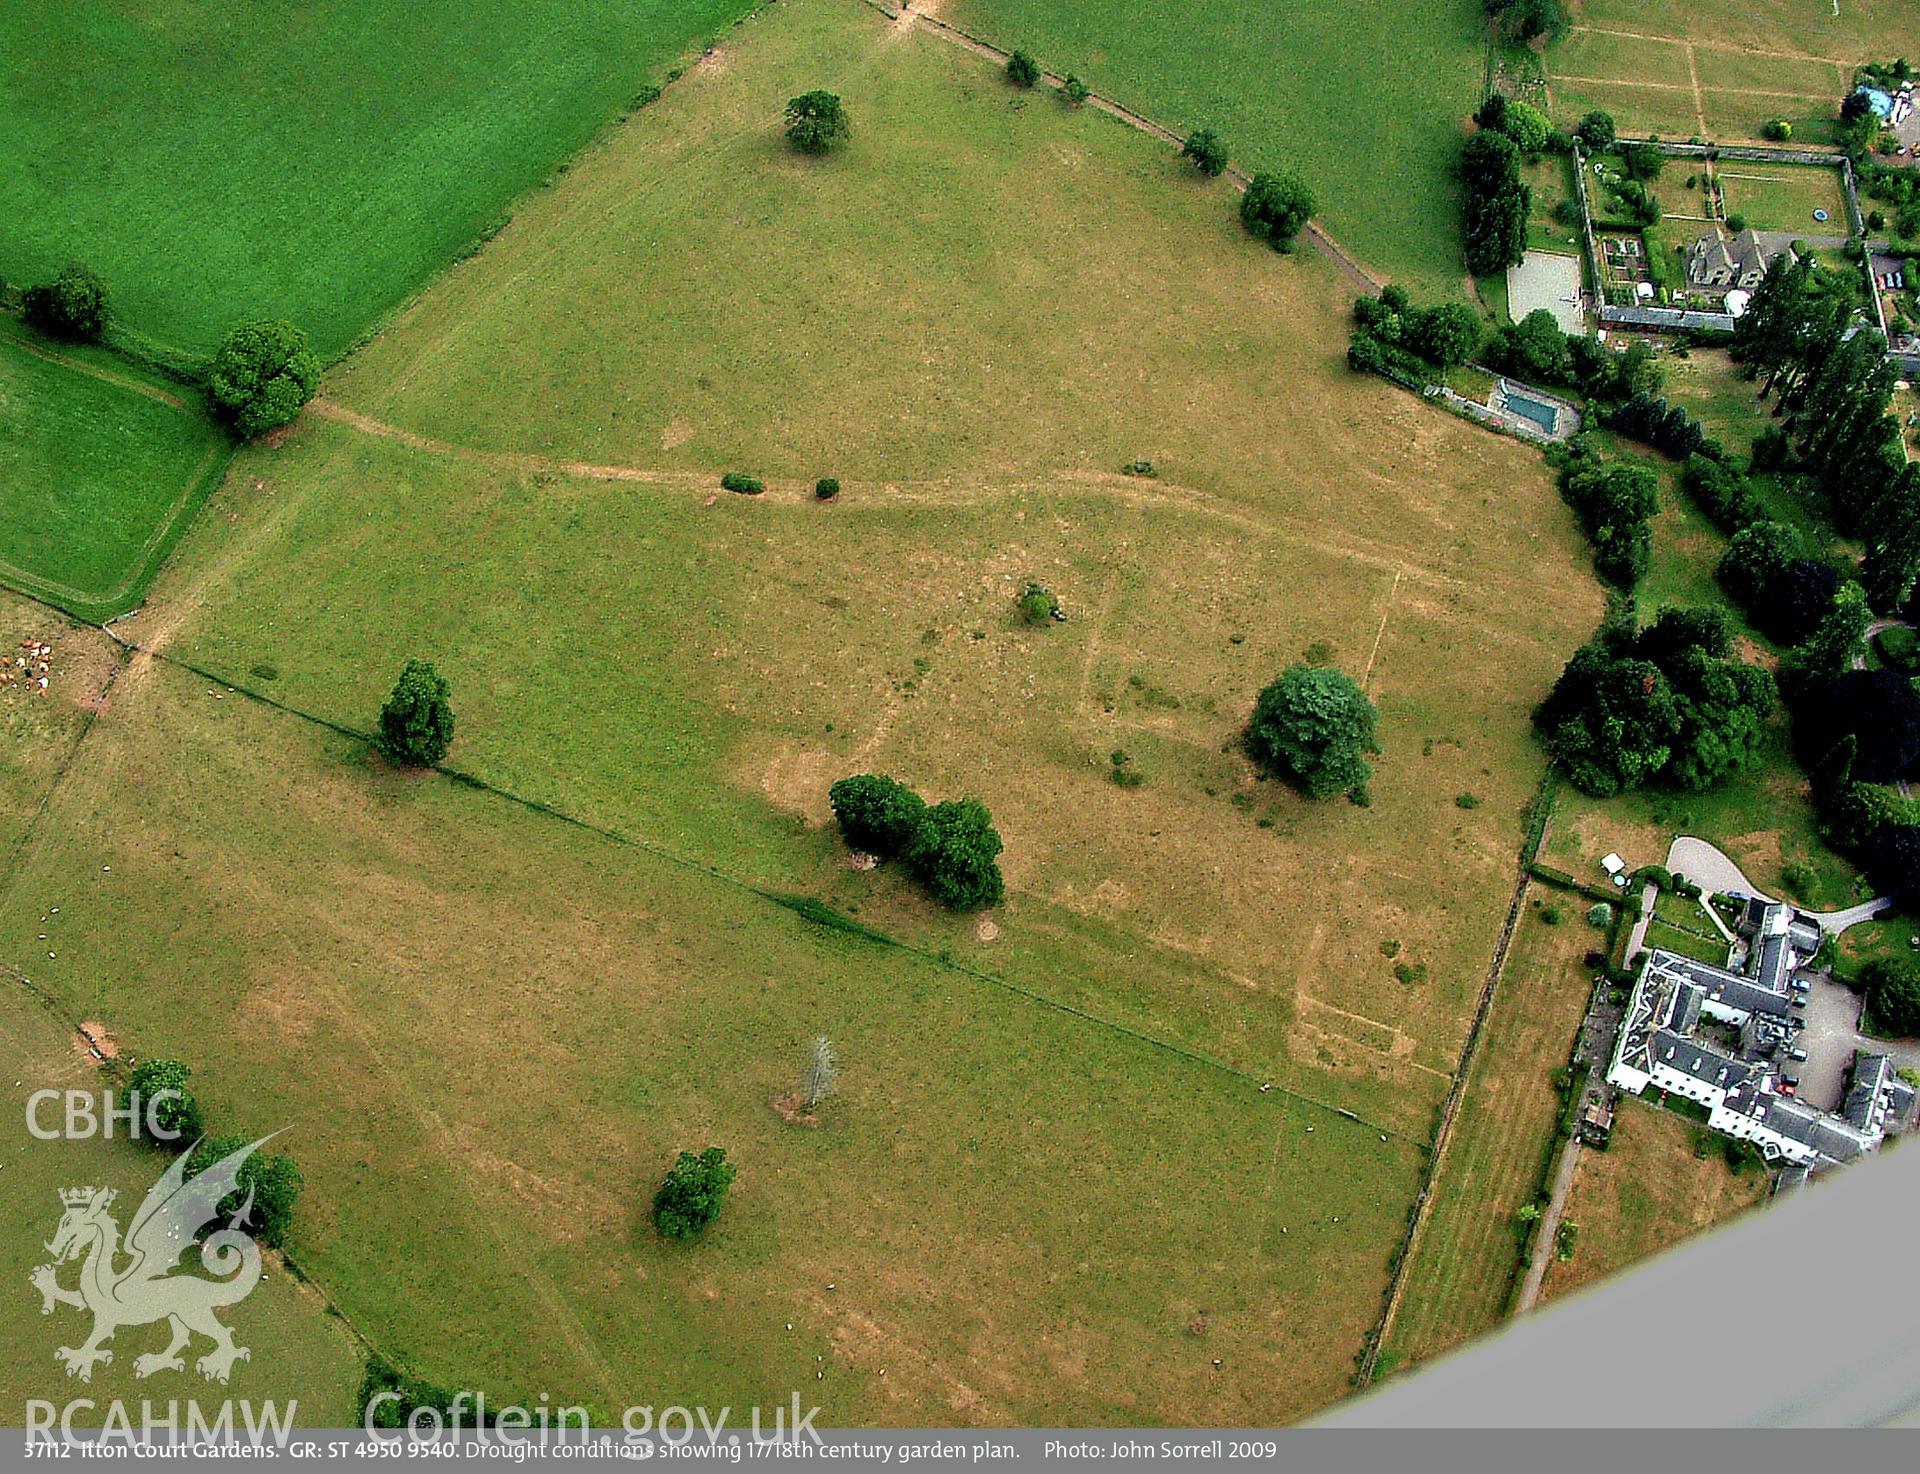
<point>1546,416</point>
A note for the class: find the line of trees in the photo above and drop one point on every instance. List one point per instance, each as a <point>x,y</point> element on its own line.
<point>261,376</point>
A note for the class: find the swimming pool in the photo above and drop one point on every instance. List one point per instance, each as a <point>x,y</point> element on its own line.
<point>1546,416</point>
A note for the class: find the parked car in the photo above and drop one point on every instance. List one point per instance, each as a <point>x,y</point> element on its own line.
<point>1798,1000</point>
<point>1800,985</point>
<point>1797,1053</point>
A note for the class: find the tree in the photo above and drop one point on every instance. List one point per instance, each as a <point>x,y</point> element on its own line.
<point>1445,335</point>
<point>1208,152</point>
<point>876,814</point>
<point>73,305</point>
<point>261,376</point>
<point>1074,90</point>
<point>1841,635</point>
<point>1614,503</point>
<point>271,1180</point>
<point>1536,349</point>
<point>1878,709</point>
<point>1497,203</point>
<point>1276,207</point>
<point>693,1193</point>
<point>1313,728</point>
<point>1891,569</point>
<point>1892,986</point>
<point>1644,161</point>
<point>1797,601</point>
<point>1529,128</point>
<point>822,1077</point>
<point>1755,558</point>
<point>817,122</point>
<point>176,1117</point>
<point>1596,130</point>
<point>1524,22</point>
<point>1022,69</point>
<point>416,724</point>
<point>954,853</point>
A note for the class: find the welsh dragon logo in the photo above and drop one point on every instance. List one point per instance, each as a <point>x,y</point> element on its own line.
<point>137,1283</point>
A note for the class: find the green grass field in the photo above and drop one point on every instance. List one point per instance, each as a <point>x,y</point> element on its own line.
<point>298,1353</point>
<point>1367,101</point>
<point>317,161</point>
<point>1784,197</point>
<point>100,470</point>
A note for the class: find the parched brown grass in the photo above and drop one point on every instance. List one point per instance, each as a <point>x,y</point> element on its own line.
<point>1467,1254</point>
<point>1651,1188</point>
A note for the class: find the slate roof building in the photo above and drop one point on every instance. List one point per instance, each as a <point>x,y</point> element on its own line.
<point>1709,1035</point>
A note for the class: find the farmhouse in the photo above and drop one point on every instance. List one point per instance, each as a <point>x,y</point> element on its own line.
<point>1712,1036</point>
<point>1719,261</point>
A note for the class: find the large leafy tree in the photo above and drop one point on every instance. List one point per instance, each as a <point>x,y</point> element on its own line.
<point>693,1193</point>
<point>416,724</point>
<point>954,852</point>
<point>876,813</point>
<point>1892,986</point>
<point>1877,710</point>
<point>1662,704</point>
<point>270,1179</point>
<point>817,122</point>
<point>1891,569</point>
<point>1276,207</point>
<point>1207,150</point>
<point>165,1102</point>
<point>1314,728</point>
<point>262,375</point>
<point>1841,635</point>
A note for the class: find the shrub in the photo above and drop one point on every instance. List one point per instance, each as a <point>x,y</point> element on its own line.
<point>1313,728</point>
<point>1551,915</point>
<point>1022,69</point>
<point>1074,90</point>
<point>1777,130</point>
<point>262,375</point>
<point>416,724</point>
<point>876,813</point>
<point>177,1119</point>
<point>1123,773</point>
<point>1208,153</point>
<point>954,853</point>
<point>817,122</point>
<point>1600,915</point>
<point>1466,800</point>
<point>73,305</point>
<point>1276,207</point>
<point>741,482</point>
<point>827,488</point>
<point>272,1181</point>
<point>693,1193</point>
<point>1037,605</point>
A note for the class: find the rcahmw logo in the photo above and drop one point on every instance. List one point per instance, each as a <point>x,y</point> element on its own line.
<point>134,1282</point>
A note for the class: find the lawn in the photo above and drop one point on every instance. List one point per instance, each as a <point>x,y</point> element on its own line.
<point>698,670</point>
<point>1660,1180</point>
<point>489,1031</point>
<point>100,471</point>
<point>1784,196</point>
<point>1746,64</point>
<point>320,162</point>
<point>1551,182</point>
<point>298,1352</point>
<point>1033,1099</point>
<point>1367,101</point>
<point>1469,1251</point>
